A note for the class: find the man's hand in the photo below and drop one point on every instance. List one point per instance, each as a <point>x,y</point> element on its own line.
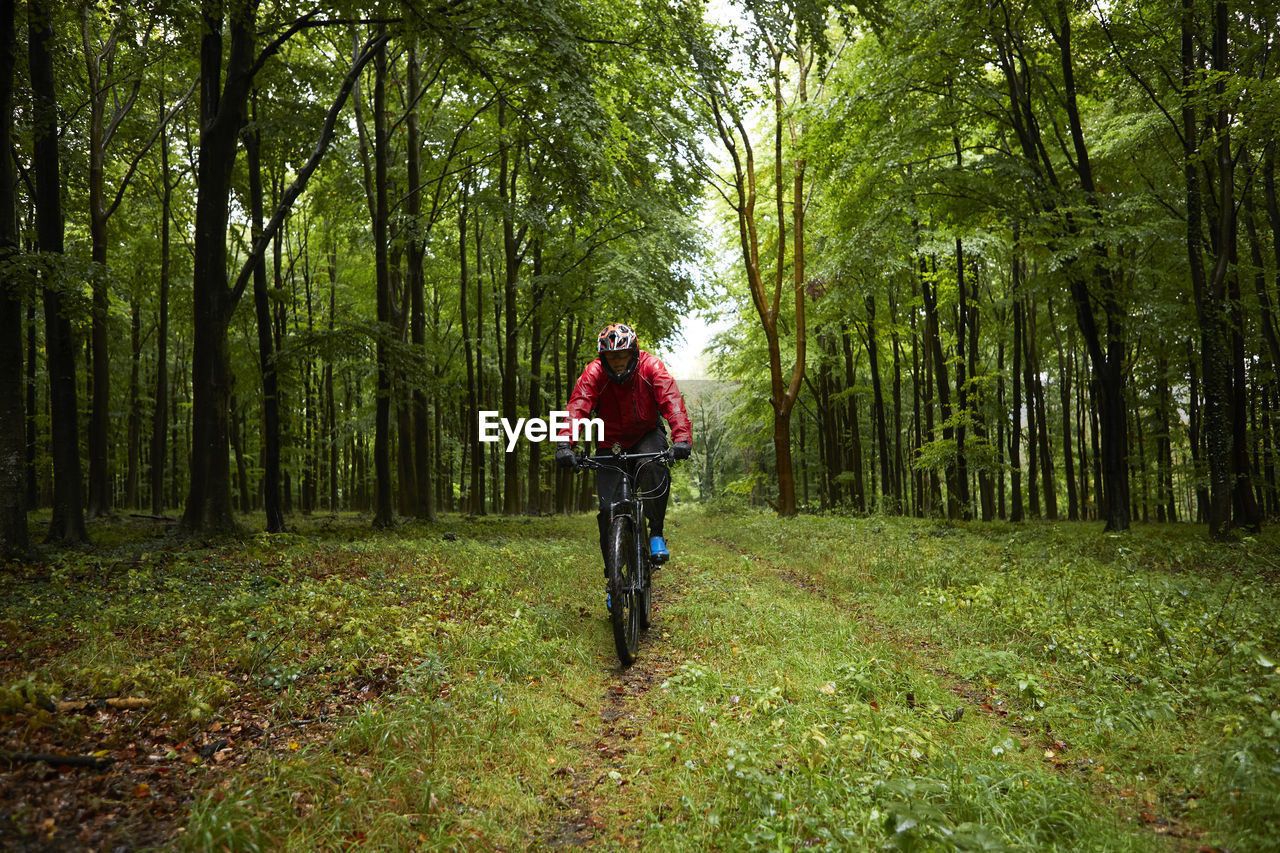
<point>680,450</point>
<point>565,457</point>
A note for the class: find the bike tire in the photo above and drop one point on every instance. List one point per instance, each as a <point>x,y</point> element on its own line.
<point>624,600</point>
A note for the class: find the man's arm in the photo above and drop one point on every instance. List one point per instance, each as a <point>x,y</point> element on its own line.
<point>586,391</point>
<point>671,404</point>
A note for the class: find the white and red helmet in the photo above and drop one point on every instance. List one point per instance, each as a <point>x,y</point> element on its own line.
<point>618,337</point>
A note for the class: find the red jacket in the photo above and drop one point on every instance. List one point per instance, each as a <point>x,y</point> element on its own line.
<point>630,409</point>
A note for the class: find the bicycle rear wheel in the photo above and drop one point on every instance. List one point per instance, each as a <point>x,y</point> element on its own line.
<point>624,597</point>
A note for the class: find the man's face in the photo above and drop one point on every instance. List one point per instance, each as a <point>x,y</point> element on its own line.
<point>618,360</point>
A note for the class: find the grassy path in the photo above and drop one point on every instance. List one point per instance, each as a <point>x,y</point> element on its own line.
<point>821,683</point>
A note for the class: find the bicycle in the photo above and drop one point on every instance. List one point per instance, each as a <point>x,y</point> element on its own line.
<point>627,559</point>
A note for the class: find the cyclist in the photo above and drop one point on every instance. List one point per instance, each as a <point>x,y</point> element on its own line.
<point>628,388</point>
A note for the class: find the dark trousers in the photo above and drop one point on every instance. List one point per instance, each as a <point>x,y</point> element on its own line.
<point>653,480</point>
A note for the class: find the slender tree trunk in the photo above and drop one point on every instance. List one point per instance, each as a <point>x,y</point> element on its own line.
<point>1042,424</point>
<point>1064,395</point>
<point>508,174</point>
<point>383,516</point>
<point>1015,427</point>
<point>855,431</point>
<point>1028,381</point>
<point>536,405</point>
<point>917,380</point>
<point>266,348</point>
<point>331,413</point>
<point>478,481</point>
<point>962,385</point>
<point>237,448</point>
<point>423,454</point>
<point>1086,504</point>
<point>160,411</point>
<point>1001,506</point>
<point>932,333</point>
<point>882,438</point>
<point>134,431</point>
<point>33,434</point>
<point>472,496</point>
<point>99,503</point>
<point>1209,289</point>
<point>899,474</point>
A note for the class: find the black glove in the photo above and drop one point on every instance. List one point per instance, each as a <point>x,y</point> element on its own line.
<point>565,457</point>
<point>680,450</point>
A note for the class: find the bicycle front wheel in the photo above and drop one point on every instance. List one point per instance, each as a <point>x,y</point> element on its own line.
<point>624,596</point>
<point>646,582</point>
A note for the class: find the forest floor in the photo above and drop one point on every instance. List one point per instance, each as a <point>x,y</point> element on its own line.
<point>815,683</point>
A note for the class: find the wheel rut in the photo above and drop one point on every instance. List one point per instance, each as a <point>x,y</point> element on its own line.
<point>986,702</point>
<point>594,780</point>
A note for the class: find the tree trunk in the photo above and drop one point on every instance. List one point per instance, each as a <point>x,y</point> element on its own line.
<point>882,438</point>
<point>962,386</point>
<point>1029,391</point>
<point>33,434</point>
<point>160,412</point>
<point>920,500</point>
<point>222,107</point>
<point>536,406</point>
<point>134,431</point>
<point>1209,294</point>
<point>472,498</point>
<point>899,473</point>
<point>422,454</point>
<point>15,542</point>
<point>266,348</point>
<point>933,336</point>
<point>67,524</point>
<point>508,174</point>
<point>383,515</point>
<point>1064,395</point>
<point>1015,427</point>
<point>855,431</point>
<point>478,482</point>
<point>1042,420</point>
<point>100,397</point>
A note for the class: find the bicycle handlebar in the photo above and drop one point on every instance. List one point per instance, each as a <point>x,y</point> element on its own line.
<point>599,461</point>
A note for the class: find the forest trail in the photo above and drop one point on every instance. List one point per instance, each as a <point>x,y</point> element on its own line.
<point>822,683</point>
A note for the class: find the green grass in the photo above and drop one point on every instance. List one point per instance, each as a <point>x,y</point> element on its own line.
<point>815,683</point>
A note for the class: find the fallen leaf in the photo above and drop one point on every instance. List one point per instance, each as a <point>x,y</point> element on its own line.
<point>142,789</point>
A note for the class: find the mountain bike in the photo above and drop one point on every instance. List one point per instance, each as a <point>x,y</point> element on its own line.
<point>627,558</point>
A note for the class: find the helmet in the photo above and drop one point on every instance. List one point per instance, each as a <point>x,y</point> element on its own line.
<point>618,337</point>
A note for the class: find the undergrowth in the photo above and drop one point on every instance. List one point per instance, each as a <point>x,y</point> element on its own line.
<point>826,683</point>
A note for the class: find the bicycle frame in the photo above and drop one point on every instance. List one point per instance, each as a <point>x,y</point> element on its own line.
<point>634,600</point>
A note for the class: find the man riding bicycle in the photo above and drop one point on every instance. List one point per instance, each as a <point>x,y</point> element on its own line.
<point>628,388</point>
